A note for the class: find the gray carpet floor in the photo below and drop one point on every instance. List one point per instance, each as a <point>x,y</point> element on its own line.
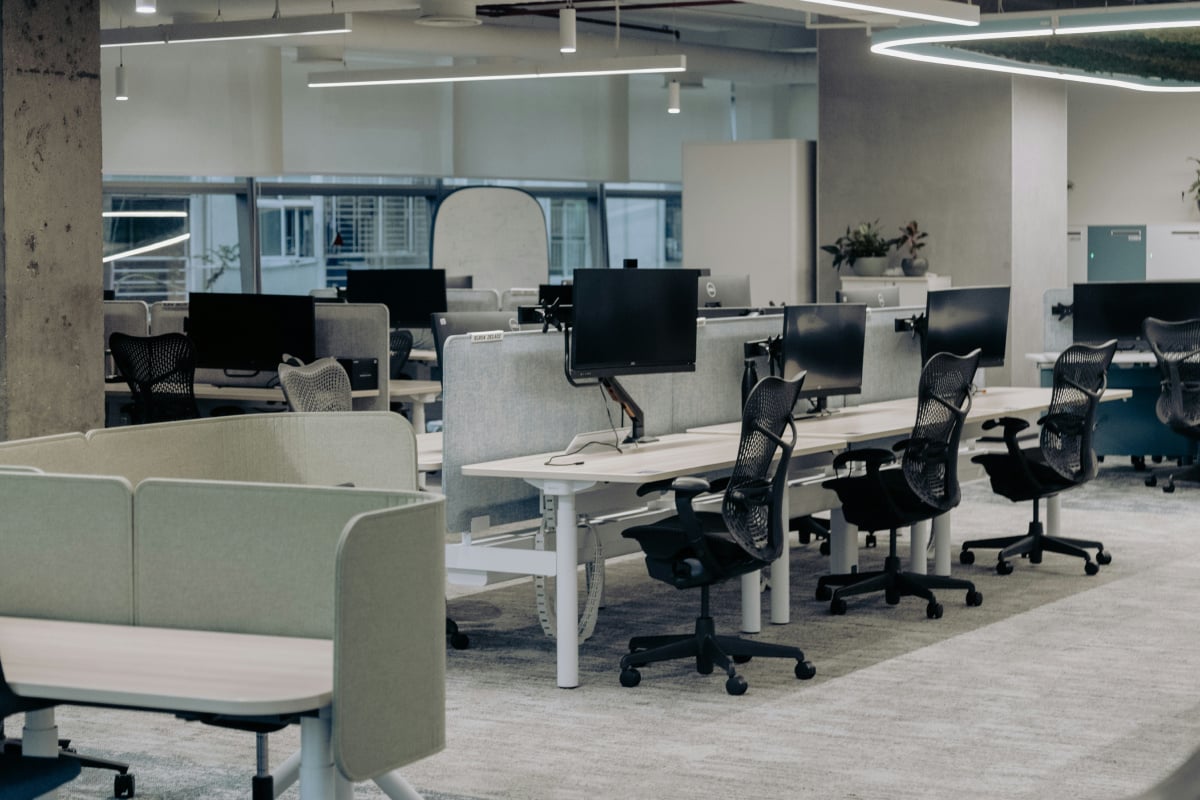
<point>1059,686</point>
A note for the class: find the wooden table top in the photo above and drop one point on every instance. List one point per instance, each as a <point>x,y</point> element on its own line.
<point>164,668</point>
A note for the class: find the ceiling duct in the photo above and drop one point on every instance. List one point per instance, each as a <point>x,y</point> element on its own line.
<point>448,14</point>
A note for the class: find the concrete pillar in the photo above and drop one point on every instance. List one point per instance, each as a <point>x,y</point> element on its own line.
<point>51,318</point>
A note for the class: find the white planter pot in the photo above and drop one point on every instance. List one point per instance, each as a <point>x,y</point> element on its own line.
<point>871,267</point>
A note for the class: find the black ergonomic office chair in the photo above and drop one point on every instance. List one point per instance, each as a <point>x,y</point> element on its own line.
<point>322,385</point>
<point>160,371</point>
<point>1176,347</point>
<point>400,344</point>
<point>1062,459</point>
<point>924,486</point>
<point>696,548</point>
<point>23,777</point>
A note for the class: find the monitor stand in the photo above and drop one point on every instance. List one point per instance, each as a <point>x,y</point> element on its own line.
<point>637,419</point>
<point>818,409</point>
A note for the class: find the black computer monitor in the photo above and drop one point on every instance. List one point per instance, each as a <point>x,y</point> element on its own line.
<point>963,319</point>
<point>632,322</point>
<point>825,341</point>
<point>549,292</point>
<point>250,332</point>
<point>411,295</point>
<point>714,291</point>
<point>1115,309</point>
<point>455,323</point>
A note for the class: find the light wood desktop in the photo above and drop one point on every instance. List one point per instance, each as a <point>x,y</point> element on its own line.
<point>672,456</point>
<point>417,393</point>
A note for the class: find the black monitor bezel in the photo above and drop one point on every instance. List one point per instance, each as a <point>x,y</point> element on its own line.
<point>1126,307</point>
<point>981,297</point>
<point>598,317</point>
<point>395,288</point>
<point>241,325</point>
<point>854,314</point>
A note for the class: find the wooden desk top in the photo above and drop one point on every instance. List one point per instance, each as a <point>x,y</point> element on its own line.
<point>671,456</point>
<point>166,669</point>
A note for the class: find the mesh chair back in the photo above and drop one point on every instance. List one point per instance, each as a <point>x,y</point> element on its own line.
<point>1079,378</point>
<point>160,371</point>
<point>753,505</point>
<point>320,386</point>
<point>1176,347</point>
<point>930,460</point>
<point>400,343</point>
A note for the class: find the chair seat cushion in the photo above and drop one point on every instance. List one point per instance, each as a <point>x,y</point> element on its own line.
<point>1011,481</point>
<point>863,507</point>
<point>671,558</point>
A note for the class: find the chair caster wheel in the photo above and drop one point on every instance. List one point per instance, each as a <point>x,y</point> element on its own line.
<point>736,685</point>
<point>974,598</point>
<point>824,592</point>
<point>871,540</point>
<point>805,537</point>
<point>1152,481</point>
<point>460,641</point>
<point>1004,567</point>
<point>934,610</point>
<point>740,659</point>
<point>966,557</point>
<point>1138,462</point>
<point>123,784</point>
<point>1170,487</point>
<point>630,677</point>
<point>805,670</point>
<point>837,606</point>
<point>1103,557</point>
<point>891,597</point>
<point>1035,558</point>
<point>824,548</point>
<point>1091,568</point>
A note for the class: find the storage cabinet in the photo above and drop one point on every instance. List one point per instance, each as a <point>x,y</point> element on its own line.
<point>912,289</point>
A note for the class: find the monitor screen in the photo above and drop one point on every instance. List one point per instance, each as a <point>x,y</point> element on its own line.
<point>961,320</point>
<point>411,295</point>
<point>714,291</point>
<point>1115,310</point>
<point>549,292</point>
<point>826,341</point>
<point>633,321</point>
<point>250,331</point>
<point>455,323</point>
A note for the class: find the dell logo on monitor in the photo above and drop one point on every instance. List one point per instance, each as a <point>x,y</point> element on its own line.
<point>711,288</point>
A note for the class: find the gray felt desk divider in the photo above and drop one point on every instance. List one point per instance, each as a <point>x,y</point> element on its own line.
<point>1057,335</point>
<point>126,316</point>
<point>472,300</point>
<point>344,330</point>
<point>891,360</point>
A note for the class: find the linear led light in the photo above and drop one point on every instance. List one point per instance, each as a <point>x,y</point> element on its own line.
<point>500,72</point>
<point>149,214</point>
<point>146,248</point>
<point>313,25</point>
<point>935,44</point>
<point>948,12</point>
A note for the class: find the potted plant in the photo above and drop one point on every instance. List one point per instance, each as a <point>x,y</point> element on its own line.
<point>1194,189</point>
<point>862,247</point>
<point>909,243</point>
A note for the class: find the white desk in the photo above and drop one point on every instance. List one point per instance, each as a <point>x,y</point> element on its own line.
<point>418,393</point>
<point>670,457</point>
<point>253,394</point>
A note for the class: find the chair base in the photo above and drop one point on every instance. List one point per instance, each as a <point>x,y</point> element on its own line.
<point>1033,545</point>
<point>1184,474</point>
<point>710,650</point>
<point>457,639</point>
<point>895,583</point>
<point>123,781</point>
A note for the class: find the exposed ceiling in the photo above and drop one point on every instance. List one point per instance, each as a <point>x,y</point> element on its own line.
<point>723,39</point>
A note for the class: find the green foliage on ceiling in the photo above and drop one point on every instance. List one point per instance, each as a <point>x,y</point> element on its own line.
<point>1169,55</point>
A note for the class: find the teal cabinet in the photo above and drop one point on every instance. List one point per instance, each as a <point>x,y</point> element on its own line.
<point>1116,253</point>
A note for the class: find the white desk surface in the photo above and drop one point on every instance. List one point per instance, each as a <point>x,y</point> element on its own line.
<point>258,394</point>
<point>422,355</point>
<point>1122,358</point>
<point>671,456</point>
<point>400,389</point>
<point>165,669</point>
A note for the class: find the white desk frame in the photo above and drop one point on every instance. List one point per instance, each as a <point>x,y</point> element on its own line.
<point>673,456</point>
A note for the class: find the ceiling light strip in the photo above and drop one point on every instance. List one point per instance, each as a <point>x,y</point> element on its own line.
<point>500,72</point>
<point>950,12</point>
<point>144,214</point>
<point>137,251</point>
<point>313,25</point>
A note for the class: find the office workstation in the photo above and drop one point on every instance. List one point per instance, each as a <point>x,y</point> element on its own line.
<point>994,219</point>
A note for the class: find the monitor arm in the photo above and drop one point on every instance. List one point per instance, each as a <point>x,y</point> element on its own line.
<point>637,419</point>
<point>1063,310</point>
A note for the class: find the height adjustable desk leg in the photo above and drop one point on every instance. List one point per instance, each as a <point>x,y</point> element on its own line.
<point>781,577</point>
<point>39,736</point>
<point>941,544</point>
<point>918,537</point>
<point>316,758</point>
<point>843,544</point>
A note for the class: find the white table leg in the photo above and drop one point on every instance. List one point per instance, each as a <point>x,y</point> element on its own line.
<point>751,602</point>
<point>418,414</point>
<point>316,758</point>
<point>39,737</point>
<point>843,544</point>
<point>781,576</point>
<point>396,787</point>
<point>941,544</point>
<point>918,538</point>
<point>566,598</point>
<point>1053,506</point>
